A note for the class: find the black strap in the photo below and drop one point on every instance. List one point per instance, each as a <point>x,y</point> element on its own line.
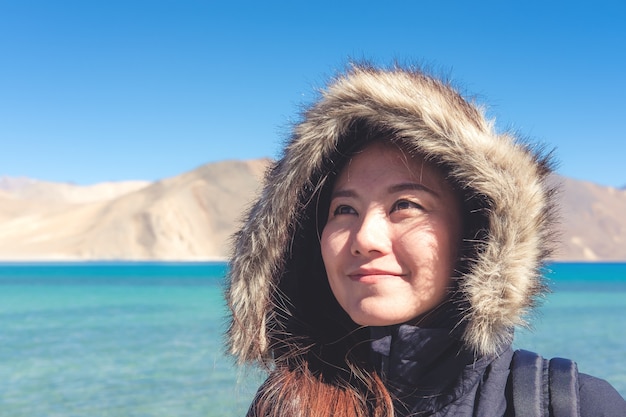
<point>543,388</point>
<point>564,399</point>
<point>527,371</point>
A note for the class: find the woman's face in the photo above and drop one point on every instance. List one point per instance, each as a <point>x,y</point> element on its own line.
<point>391,240</point>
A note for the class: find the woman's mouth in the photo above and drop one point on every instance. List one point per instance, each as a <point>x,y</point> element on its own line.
<point>372,275</point>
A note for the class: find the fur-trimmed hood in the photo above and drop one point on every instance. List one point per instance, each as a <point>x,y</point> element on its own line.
<point>503,181</point>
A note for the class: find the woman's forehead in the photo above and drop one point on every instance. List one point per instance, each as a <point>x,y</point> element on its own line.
<point>386,161</point>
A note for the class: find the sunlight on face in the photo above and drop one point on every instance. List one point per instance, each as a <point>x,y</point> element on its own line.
<point>391,240</point>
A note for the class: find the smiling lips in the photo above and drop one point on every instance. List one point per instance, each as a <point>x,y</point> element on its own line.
<point>370,276</point>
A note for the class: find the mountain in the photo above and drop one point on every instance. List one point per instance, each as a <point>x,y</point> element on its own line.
<point>30,189</point>
<point>191,217</point>
<point>593,222</point>
<point>187,217</point>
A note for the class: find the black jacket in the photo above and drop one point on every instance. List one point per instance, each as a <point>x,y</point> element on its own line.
<point>429,373</point>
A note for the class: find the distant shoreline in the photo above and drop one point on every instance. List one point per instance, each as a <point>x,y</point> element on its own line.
<point>62,262</point>
<point>75,261</point>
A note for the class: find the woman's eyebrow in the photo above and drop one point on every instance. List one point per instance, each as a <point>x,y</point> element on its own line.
<point>343,193</point>
<point>411,186</point>
<point>397,188</point>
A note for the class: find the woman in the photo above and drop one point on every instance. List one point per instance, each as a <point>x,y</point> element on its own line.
<point>394,248</point>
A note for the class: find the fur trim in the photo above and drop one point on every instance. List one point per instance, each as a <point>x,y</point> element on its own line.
<point>503,279</point>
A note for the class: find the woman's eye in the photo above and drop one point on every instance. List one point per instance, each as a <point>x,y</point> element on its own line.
<point>405,204</point>
<point>343,210</point>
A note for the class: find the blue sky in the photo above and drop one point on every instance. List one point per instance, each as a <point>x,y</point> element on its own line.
<point>95,91</point>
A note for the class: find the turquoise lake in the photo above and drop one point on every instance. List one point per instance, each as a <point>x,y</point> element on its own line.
<point>145,339</point>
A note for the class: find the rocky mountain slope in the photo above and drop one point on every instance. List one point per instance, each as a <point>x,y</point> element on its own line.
<point>191,216</point>
<point>593,222</point>
<point>187,217</point>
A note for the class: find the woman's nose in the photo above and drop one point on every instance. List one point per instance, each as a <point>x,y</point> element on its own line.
<point>371,235</point>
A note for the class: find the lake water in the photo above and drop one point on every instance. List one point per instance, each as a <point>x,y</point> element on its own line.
<point>145,339</point>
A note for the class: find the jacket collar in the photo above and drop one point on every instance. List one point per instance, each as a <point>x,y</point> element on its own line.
<point>425,369</point>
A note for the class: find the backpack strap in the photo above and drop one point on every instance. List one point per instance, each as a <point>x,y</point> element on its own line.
<point>544,388</point>
<point>528,378</point>
<point>564,389</point>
